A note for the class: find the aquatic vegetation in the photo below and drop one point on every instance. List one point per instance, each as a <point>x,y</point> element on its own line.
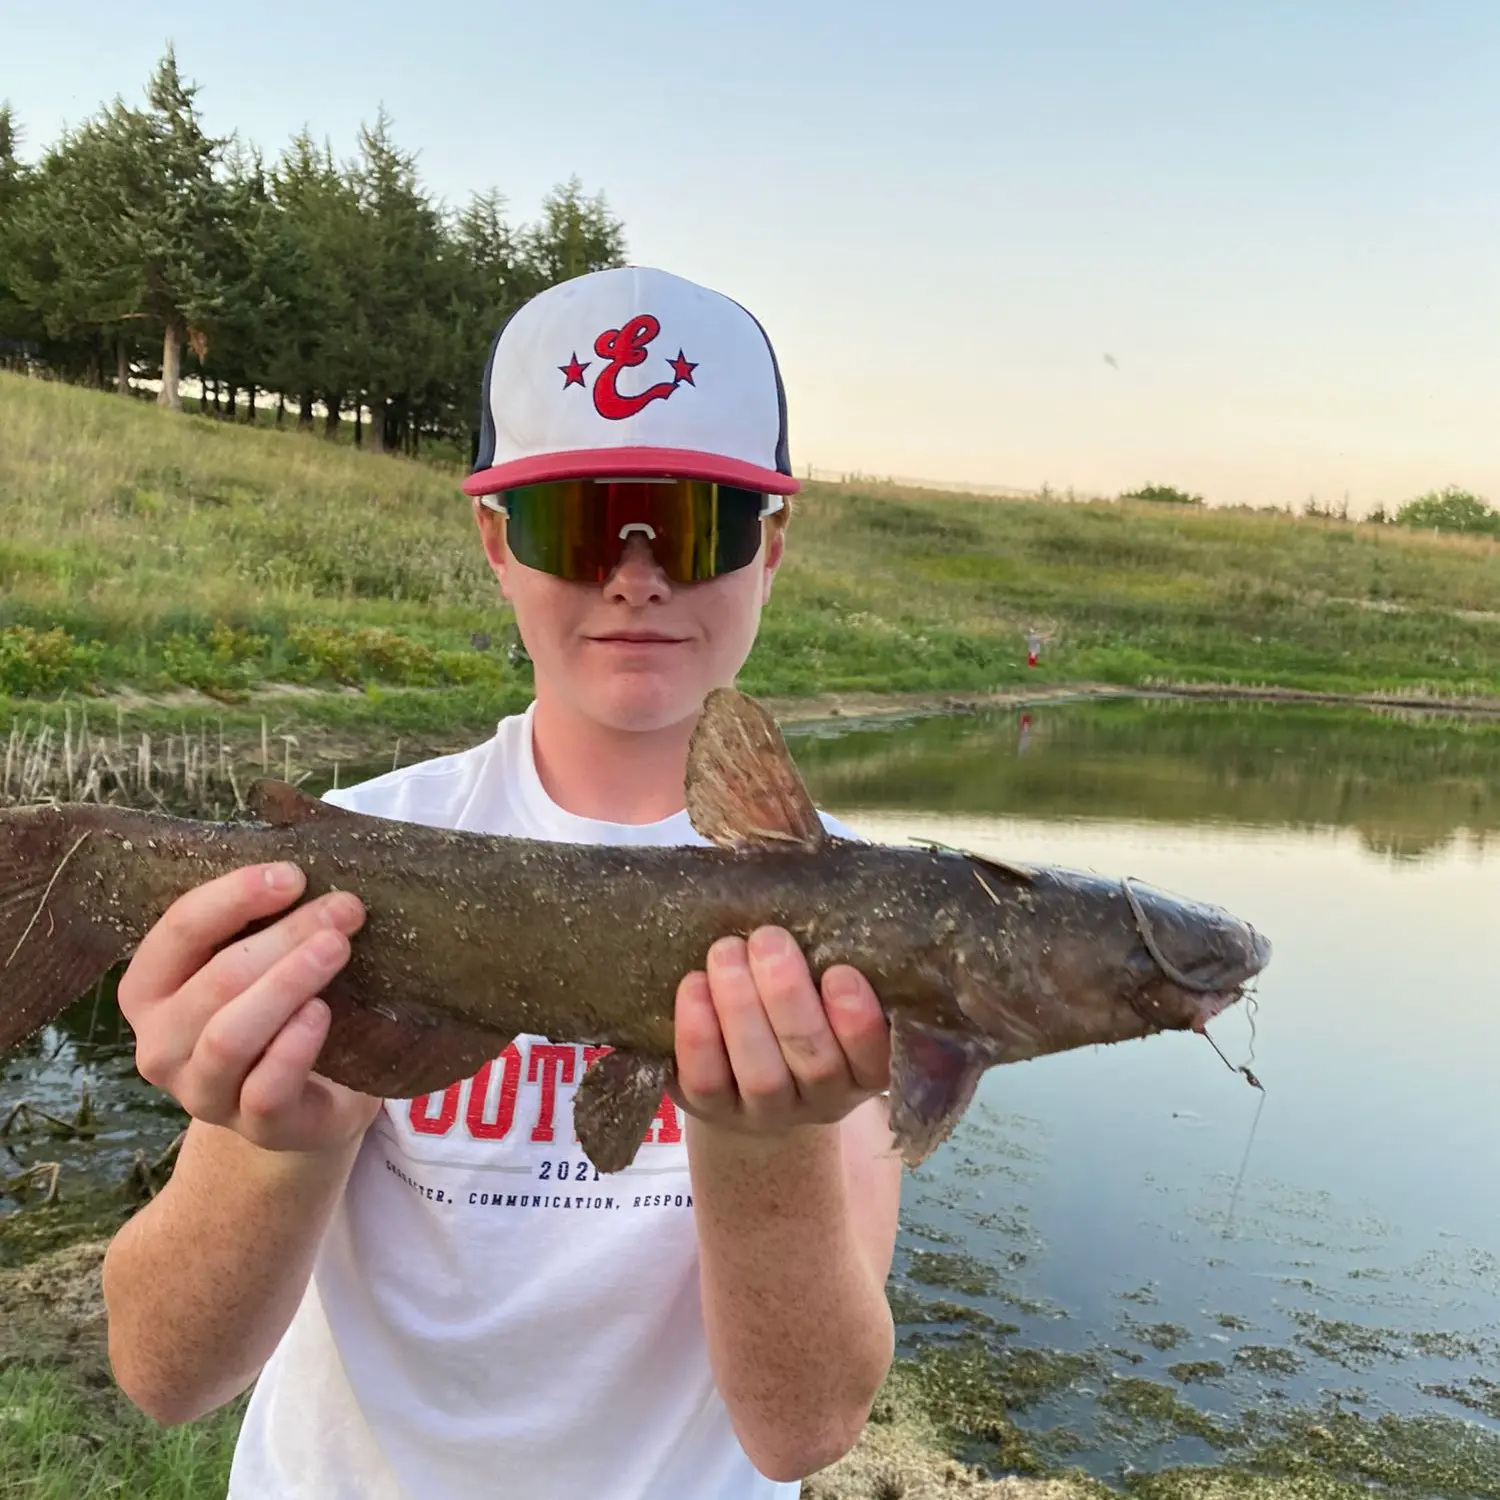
<point>959,1390</point>
<point>955,1270</point>
<point>1425,1455</point>
<point>1161,1336</point>
<point>1266,1359</point>
<point>1195,1371</point>
<point>1477,1393</point>
<point>1153,1411</point>
<point>907,1307</point>
<point>1357,1346</point>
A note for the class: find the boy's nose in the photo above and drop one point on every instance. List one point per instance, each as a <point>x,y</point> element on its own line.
<point>638,577</point>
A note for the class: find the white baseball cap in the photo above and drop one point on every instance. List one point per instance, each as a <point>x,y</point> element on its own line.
<point>632,372</point>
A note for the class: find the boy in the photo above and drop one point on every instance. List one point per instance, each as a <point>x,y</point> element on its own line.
<point>438,1296</point>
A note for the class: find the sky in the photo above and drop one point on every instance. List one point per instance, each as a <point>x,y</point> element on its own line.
<point>1249,250</point>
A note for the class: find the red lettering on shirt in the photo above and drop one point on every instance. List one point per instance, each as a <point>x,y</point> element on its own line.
<point>497,1129</point>
<point>424,1122</point>
<point>549,1061</point>
<point>666,1128</point>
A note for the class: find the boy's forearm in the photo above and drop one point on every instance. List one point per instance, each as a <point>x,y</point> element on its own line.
<point>201,1284</point>
<point>799,1330</point>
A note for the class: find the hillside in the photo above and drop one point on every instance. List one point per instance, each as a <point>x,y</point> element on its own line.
<point>176,564</point>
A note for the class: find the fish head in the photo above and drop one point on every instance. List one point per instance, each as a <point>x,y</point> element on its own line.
<point>1190,960</point>
<point>1084,960</point>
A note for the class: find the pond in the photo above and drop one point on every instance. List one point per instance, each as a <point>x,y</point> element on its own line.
<point>1146,1260</point>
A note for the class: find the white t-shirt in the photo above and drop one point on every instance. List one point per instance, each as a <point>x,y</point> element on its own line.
<point>489,1316</point>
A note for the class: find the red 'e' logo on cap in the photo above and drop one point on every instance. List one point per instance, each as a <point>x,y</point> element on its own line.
<point>623,349</point>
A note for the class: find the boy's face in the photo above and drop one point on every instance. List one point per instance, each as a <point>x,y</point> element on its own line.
<point>638,652</point>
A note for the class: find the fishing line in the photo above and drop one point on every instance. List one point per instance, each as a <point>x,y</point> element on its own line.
<point>1234,1197</point>
<point>1143,926</point>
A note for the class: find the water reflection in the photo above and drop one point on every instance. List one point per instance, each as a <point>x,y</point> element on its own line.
<point>1405,788</point>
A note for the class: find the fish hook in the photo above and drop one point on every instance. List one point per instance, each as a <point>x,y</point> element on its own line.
<point>1181,980</point>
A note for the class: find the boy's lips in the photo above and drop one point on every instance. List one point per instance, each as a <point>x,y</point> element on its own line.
<point>637,638</point>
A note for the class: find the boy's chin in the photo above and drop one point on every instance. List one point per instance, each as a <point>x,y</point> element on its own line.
<point>643,702</point>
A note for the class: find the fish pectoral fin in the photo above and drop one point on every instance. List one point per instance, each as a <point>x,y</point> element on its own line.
<point>397,1049</point>
<point>281,805</point>
<point>743,790</point>
<point>615,1105</point>
<point>933,1077</point>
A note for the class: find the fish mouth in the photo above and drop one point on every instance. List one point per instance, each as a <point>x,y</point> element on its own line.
<point>1194,960</point>
<point>1219,983</point>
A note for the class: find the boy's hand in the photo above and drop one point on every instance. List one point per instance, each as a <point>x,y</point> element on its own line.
<point>232,1032</point>
<point>760,1050</point>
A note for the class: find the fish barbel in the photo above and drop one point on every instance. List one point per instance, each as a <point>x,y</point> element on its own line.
<point>472,939</point>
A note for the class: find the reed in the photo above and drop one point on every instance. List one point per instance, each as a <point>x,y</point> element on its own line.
<point>189,772</point>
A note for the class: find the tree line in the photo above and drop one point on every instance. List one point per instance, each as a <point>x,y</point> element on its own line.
<point>139,247</point>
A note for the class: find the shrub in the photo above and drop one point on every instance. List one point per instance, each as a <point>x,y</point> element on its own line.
<point>373,653</point>
<point>34,661</point>
<point>223,666</point>
<point>1163,494</point>
<point>1451,509</point>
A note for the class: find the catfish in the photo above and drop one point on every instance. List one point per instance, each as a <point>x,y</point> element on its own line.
<point>472,939</point>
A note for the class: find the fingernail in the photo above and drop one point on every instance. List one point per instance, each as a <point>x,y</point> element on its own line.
<point>329,946</point>
<point>313,1014</point>
<point>770,943</point>
<point>840,986</point>
<point>726,953</point>
<point>344,911</point>
<point>283,877</point>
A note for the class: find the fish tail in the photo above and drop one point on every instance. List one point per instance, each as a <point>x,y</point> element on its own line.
<point>52,949</point>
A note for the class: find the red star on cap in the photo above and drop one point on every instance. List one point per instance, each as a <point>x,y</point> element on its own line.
<point>574,371</point>
<point>682,369</point>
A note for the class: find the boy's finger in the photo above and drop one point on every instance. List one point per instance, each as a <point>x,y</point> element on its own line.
<point>761,1076</point>
<point>794,1008</point>
<point>231,971</point>
<point>858,1021</point>
<point>234,1040</point>
<point>277,1085</point>
<point>195,925</point>
<point>704,1077</point>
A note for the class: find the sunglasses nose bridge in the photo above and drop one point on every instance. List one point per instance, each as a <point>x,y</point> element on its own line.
<point>636,568</point>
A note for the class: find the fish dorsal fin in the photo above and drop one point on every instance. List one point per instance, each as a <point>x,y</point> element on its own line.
<point>1006,867</point>
<point>282,806</point>
<point>743,791</point>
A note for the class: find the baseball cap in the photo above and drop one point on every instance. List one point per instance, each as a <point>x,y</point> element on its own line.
<point>632,372</point>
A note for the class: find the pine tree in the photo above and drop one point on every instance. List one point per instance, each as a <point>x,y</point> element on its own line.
<point>399,283</point>
<point>18,323</point>
<point>576,235</point>
<point>177,231</point>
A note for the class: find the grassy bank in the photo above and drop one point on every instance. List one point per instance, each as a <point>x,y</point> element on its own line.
<point>181,565</point>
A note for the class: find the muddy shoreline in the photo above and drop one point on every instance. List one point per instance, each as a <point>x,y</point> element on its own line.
<point>52,1318</point>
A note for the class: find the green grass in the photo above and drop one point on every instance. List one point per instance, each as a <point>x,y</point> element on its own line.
<point>61,1439</point>
<point>161,555</point>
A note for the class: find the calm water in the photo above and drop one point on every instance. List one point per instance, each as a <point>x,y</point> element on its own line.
<point>1117,1201</point>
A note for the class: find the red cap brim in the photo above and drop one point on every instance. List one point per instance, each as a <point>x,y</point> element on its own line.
<point>629,463</point>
